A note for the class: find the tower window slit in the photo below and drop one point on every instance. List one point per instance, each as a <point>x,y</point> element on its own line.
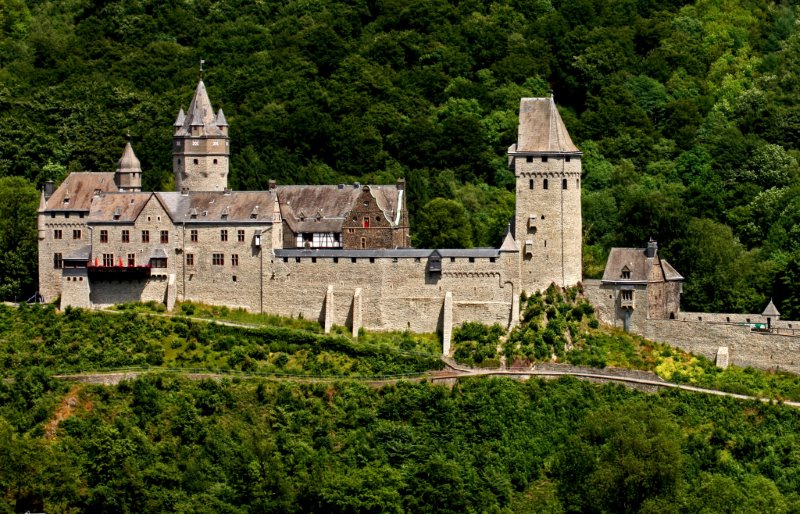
<point>544,184</point>
<point>563,183</point>
<point>530,183</point>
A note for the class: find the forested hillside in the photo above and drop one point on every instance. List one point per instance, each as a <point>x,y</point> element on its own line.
<point>686,113</point>
<point>164,444</point>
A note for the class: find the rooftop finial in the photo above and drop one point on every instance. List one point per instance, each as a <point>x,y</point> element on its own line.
<point>202,62</point>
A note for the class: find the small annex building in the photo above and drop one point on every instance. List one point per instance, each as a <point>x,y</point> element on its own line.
<point>637,285</point>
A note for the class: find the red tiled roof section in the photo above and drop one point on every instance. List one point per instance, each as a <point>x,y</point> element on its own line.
<point>541,129</point>
<point>78,190</point>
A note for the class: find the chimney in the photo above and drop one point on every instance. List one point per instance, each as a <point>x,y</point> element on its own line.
<point>356,185</point>
<point>272,184</point>
<point>185,191</point>
<point>652,248</point>
<point>49,187</point>
<point>401,184</point>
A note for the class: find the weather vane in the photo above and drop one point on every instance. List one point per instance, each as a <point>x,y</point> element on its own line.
<point>202,62</point>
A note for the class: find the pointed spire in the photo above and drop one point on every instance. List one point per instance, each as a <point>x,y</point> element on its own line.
<point>221,121</point>
<point>128,163</point>
<point>181,118</point>
<point>771,310</point>
<point>200,111</point>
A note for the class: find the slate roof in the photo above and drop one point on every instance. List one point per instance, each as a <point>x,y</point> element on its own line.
<point>302,205</point>
<point>199,114</point>
<point>639,265</point>
<point>77,191</point>
<point>128,162</point>
<point>401,253</point>
<point>541,129</point>
<point>771,310</point>
<point>209,206</point>
<point>117,207</point>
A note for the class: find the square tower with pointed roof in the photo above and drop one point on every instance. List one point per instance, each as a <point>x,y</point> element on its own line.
<point>201,146</point>
<point>547,221</point>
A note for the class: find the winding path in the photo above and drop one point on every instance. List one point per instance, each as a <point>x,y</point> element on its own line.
<point>453,373</point>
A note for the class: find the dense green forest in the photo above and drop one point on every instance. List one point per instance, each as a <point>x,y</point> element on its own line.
<point>165,444</point>
<point>686,113</point>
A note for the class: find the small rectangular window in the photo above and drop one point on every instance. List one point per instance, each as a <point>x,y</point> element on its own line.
<point>335,260</point>
<point>563,183</point>
<point>363,242</point>
<point>472,259</point>
<point>76,234</point>
<point>104,236</point>
<point>529,158</point>
<point>145,236</point>
<point>193,235</point>
<point>544,184</point>
<point>108,259</point>
<point>57,234</point>
<point>234,259</point>
<point>240,236</point>
<point>126,236</point>
<point>218,259</point>
<point>190,259</point>
<point>223,235</point>
<point>131,260</point>
<point>530,184</point>
<point>58,261</point>
<point>165,236</point>
<point>544,158</point>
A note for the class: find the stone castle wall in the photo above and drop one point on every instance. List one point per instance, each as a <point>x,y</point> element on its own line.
<point>745,347</point>
<point>705,333</point>
<point>394,293</point>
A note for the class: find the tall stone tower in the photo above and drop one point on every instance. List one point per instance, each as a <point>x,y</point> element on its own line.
<point>201,149</point>
<point>547,222</point>
<point>129,172</point>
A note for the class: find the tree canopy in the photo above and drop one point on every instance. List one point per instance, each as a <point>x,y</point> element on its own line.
<point>685,110</point>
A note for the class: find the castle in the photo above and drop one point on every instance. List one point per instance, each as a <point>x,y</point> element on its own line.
<point>338,253</point>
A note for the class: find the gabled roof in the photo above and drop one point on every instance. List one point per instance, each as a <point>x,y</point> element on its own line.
<point>636,261</point>
<point>541,130</point>
<point>77,191</point>
<point>209,206</point>
<point>300,205</point>
<point>118,207</point>
<point>771,310</point>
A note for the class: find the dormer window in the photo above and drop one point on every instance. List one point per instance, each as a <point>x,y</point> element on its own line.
<point>626,273</point>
